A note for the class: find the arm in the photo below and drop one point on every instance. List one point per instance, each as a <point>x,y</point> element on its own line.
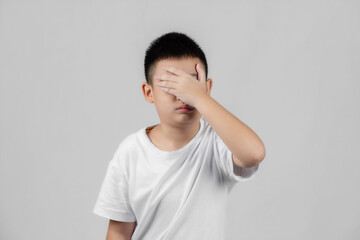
<point>120,230</point>
<point>246,146</point>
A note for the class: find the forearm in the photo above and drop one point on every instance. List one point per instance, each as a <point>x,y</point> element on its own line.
<point>120,230</point>
<point>239,138</point>
<point>113,235</point>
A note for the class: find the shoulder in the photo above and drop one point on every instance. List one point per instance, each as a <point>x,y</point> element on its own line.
<point>208,131</point>
<point>126,148</point>
<point>128,143</point>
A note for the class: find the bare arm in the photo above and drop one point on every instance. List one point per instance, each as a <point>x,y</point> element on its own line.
<point>247,148</point>
<point>120,230</point>
<point>245,145</point>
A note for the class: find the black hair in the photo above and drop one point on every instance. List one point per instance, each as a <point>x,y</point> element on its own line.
<point>171,45</point>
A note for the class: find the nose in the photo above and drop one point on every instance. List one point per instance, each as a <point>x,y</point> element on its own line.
<point>179,100</point>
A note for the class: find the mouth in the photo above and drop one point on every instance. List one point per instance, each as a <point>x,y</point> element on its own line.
<point>185,109</point>
<point>189,108</point>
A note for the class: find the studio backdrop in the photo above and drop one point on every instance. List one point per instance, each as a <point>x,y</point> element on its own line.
<point>70,92</point>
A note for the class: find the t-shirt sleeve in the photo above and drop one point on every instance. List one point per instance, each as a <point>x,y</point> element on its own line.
<point>230,171</point>
<point>113,200</point>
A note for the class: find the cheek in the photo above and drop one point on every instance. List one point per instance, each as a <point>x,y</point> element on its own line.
<point>166,100</point>
<point>164,95</point>
<point>161,96</point>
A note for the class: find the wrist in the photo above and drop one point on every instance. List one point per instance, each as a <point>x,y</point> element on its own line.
<point>200,100</point>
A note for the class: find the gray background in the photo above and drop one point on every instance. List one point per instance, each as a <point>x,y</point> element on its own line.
<point>71,74</point>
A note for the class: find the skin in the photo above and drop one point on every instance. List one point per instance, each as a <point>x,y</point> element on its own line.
<point>174,86</point>
<point>176,128</point>
<point>120,230</point>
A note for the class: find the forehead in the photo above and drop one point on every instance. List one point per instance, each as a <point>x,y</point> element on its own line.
<point>185,64</point>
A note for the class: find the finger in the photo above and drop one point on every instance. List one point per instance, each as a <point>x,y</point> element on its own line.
<point>201,73</point>
<point>165,84</point>
<point>167,90</point>
<point>167,77</point>
<point>176,71</point>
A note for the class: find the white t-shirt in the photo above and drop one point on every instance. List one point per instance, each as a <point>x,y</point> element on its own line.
<point>172,195</point>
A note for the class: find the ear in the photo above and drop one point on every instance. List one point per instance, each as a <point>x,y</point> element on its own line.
<point>148,92</point>
<point>209,83</point>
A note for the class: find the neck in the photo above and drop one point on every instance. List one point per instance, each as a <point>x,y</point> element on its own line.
<point>170,138</point>
<point>178,134</point>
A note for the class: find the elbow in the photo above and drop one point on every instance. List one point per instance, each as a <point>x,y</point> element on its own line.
<point>259,155</point>
<point>252,160</point>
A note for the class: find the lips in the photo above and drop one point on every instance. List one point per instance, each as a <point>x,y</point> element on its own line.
<point>186,107</point>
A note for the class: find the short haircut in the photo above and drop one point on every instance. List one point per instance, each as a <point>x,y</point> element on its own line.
<point>172,45</point>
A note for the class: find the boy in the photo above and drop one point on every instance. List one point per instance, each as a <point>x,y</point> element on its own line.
<point>170,181</point>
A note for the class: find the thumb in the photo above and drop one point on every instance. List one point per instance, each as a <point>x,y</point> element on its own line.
<point>201,74</point>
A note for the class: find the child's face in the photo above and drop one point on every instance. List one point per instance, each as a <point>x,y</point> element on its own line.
<point>166,104</point>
